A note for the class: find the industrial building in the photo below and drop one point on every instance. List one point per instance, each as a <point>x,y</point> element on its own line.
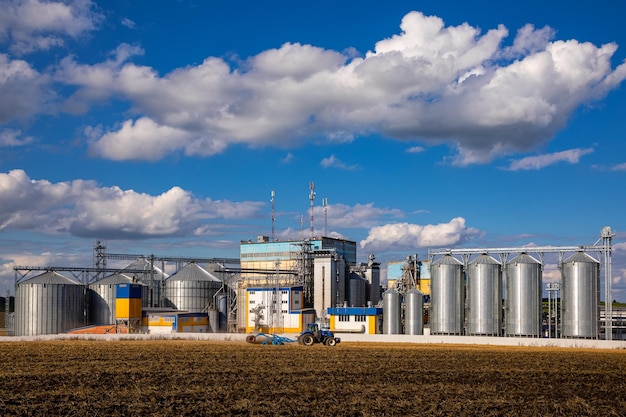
<point>280,286</point>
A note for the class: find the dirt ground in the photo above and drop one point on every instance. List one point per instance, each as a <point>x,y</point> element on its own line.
<point>199,378</point>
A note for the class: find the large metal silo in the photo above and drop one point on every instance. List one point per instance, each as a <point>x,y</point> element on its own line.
<point>102,298</point>
<point>357,291</point>
<point>392,304</point>
<point>191,289</point>
<point>523,297</point>
<point>49,303</point>
<point>414,312</point>
<point>447,296</point>
<point>580,297</point>
<point>484,296</point>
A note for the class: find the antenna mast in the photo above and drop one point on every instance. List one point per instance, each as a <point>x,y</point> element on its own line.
<point>325,204</point>
<point>273,218</point>
<point>312,198</point>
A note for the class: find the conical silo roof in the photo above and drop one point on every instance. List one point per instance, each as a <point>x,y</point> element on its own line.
<point>524,258</point>
<point>580,257</point>
<point>485,259</point>
<point>118,278</point>
<point>193,272</point>
<point>50,277</point>
<point>447,260</point>
<point>144,264</point>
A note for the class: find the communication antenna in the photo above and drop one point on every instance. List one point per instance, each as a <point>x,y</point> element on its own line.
<point>312,198</point>
<point>273,218</point>
<point>325,204</point>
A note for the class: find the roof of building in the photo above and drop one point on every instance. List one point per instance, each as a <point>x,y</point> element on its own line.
<point>50,277</point>
<point>193,272</point>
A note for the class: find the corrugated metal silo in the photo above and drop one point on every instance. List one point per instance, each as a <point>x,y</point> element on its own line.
<point>153,277</point>
<point>580,297</point>
<point>523,297</point>
<point>357,291</point>
<point>102,298</point>
<point>414,312</point>
<point>447,296</point>
<point>49,303</point>
<point>191,289</point>
<point>484,296</point>
<point>392,304</point>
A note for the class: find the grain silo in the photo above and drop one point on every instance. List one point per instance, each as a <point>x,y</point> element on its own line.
<point>392,304</point>
<point>102,298</point>
<point>414,312</point>
<point>191,289</point>
<point>580,297</point>
<point>447,296</point>
<point>523,297</point>
<point>152,277</point>
<point>484,296</point>
<point>357,291</point>
<point>49,303</point>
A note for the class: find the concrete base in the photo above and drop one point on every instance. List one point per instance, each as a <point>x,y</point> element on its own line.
<point>347,337</point>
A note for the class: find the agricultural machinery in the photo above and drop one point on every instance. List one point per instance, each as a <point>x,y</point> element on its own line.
<point>313,334</point>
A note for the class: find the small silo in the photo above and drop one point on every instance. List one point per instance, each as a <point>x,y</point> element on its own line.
<point>447,296</point>
<point>357,291</point>
<point>191,289</point>
<point>392,305</point>
<point>580,297</point>
<point>523,297</point>
<point>49,303</point>
<point>102,298</point>
<point>414,312</point>
<point>484,296</point>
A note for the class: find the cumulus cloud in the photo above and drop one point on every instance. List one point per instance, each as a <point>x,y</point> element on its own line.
<point>431,82</point>
<point>86,210</point>
<point>406,236</point>
<point>571,156</point>
<point>334,162</point>
<point>30,25</point>
<point>23,90</point>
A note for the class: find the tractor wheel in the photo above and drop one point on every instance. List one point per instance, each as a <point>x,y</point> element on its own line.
<point>251,338</point>
<point>307,340</point>
<point>331,341</point>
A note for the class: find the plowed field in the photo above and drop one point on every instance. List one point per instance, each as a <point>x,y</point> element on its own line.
<point>197,378</point>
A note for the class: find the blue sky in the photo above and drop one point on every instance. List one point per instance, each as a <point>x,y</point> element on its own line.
<point>163,129</point>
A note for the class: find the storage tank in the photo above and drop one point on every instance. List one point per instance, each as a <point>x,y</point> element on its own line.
<point>523,297</point>
<point>447,296</point>
<point>392,304</point>
<point>580,297</point>
<point>484,296</point>
<point>152,277</point>
<point>357,291</point>
<point>49,303</point>
<point>101,295</point>
<point>414,312</point>
<point>191,289</point>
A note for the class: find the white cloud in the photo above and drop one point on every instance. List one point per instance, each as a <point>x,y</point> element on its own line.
<point>406,236</point>
<point>30,25</point>
<point>430,82</point>
<point>11,138</point>
<point>128,23</point>
<point>26,88</point>
<point>541,161</point>
<point>415,149</point>
<point>334,162</point>
<point>287,159</point>
<point>619,167</point>
<point>359,215</point>
<point>86,210</point>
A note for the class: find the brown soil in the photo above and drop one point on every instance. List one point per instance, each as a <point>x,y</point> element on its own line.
<point>196,378</point>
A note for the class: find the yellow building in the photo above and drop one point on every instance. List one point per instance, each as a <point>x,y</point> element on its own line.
<point>368,320</point>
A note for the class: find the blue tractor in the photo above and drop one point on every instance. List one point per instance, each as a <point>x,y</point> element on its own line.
<point>314,334</point>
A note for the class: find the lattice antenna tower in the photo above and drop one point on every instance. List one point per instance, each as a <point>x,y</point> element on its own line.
<point>312,199</point>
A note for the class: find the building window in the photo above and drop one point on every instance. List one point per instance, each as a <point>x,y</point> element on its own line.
<point>251,292</point>
<point>344,317</point>
<point>252,301</point>
<point>360,317</point>
<point>284,311</point>
<point>284,301</point>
